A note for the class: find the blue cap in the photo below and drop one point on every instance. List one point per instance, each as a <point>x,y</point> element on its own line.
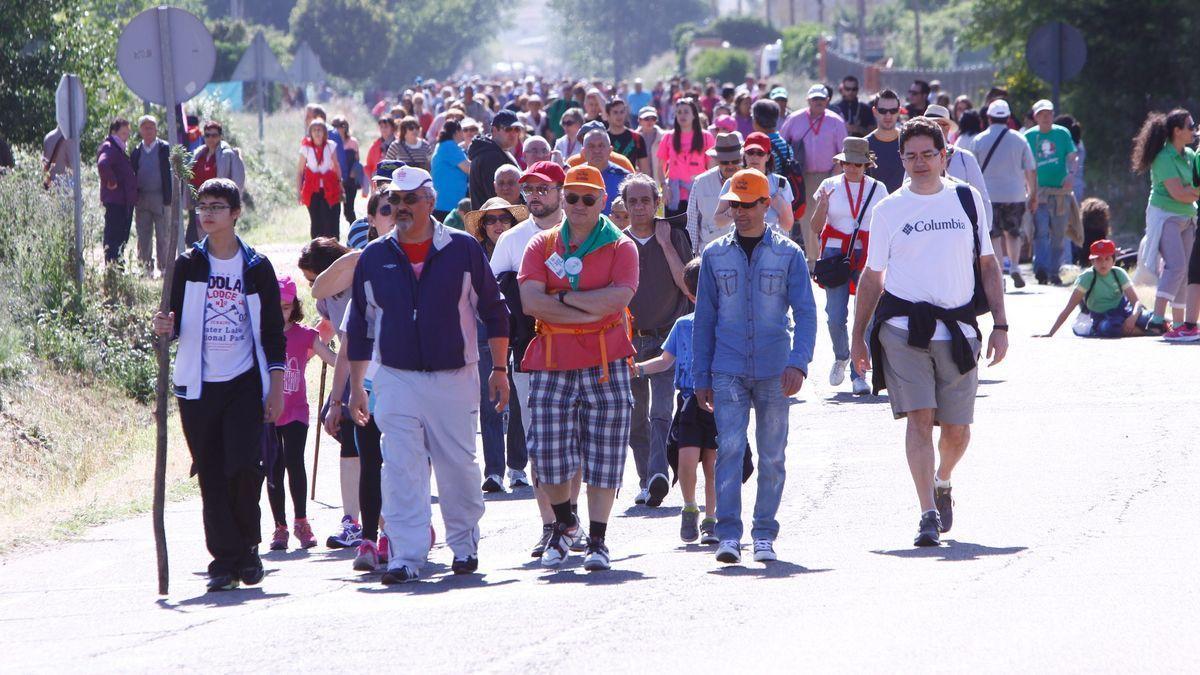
<point>505,119</point>
<point>594,125</point>
<point>385,169</point>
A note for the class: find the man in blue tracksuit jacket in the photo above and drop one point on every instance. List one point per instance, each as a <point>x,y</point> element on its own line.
<point>412,321</point>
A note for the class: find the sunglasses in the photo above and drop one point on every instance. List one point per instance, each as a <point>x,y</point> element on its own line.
<point>850,89</point>
<point>730,162</point>
<point>570,123</point>
<point>744,205</point>
<point>888,111</point>
<point>538,190</point>
<point>395,198</point>
<point>756,153</point>
<point>504,218</point>
<point>574,198</point>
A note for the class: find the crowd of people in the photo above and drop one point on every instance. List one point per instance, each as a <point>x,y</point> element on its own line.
<point>548,266</point>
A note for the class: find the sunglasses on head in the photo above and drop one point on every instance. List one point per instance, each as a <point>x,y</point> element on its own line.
<point>574,197</point>
<point>744,205</point>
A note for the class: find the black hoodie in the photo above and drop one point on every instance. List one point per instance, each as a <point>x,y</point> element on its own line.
<point>486,156</point>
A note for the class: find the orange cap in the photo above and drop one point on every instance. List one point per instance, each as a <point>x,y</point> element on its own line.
<point>585,175</point>
<point>747,185</point>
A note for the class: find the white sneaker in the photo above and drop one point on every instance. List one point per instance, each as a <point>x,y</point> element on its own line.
<point>837,374</point>
<point>642,497</point>
<point>764,550</point>
<point>517,479</point>
<point>859,386</point>
<point>729,552</point>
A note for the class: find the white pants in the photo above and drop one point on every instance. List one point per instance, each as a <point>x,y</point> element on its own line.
<point>428,418</point>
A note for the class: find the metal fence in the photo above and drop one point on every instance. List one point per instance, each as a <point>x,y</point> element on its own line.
<point>971,80</point>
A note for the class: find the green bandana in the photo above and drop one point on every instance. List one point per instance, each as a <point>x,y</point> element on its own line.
<point>602,235</point>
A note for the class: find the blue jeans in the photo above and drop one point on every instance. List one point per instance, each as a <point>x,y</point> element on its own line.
<point>494,426</point>
<point>1048,231</point>
<point>837,311</point>
<point>732,400</point>
<point>653,399</point>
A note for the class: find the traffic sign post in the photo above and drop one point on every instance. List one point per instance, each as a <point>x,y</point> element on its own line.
<point>71,114</point>
<point>259,65</point>
<point>306,67</point>
<point>1056,52</point>
<point>166,55</point>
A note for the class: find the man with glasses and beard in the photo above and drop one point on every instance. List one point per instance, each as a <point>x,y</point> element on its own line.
<point>413,323</point>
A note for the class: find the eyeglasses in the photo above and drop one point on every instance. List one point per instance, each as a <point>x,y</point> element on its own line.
<point>756,153</point>
<point>744,205</point>
<point>409,198</point>
<point>928,155</point>
<point>212,208</point>
<point>888,111</point>
<point>539,190</point>
<point>502,218</point>
<point>588,200</point>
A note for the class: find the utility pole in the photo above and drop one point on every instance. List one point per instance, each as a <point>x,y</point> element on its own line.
<point>917,34</point>
<point>862,25</point>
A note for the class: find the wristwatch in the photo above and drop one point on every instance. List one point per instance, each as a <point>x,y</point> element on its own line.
<point>1000,326</point>
<point>561,296</point>
<point>499,369</point>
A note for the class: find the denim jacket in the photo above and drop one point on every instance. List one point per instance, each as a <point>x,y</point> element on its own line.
<point>742,325</point>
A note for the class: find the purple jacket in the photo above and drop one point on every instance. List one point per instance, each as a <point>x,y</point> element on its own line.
<point>118,182</point>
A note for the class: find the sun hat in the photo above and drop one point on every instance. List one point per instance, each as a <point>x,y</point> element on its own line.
<point>519,212</point>
<point>856,151</point>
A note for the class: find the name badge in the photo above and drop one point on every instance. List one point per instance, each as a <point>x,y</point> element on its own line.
<point>555,264</point>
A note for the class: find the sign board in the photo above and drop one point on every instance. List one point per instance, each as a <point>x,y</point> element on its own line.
<point>140,58</point>
<point>70,110</point>
<point>306,68</point>
<point>1056,53</point>
<point>259,63</point>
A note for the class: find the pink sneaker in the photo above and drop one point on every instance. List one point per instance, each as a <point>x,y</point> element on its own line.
<point>368,556</point>
<point>279,541</point>
<point>383,549</point>
<point>1182,333</point>
<point>304,533</point>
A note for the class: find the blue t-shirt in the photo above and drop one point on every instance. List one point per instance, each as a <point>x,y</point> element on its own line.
<point>613,175</point>
<point>679,343</point>
<point>635,102</point>
<point>449,180</point>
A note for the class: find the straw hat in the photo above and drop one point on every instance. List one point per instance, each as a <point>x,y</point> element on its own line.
<point>519,212</point>
<point>856,151</point>
<point>940,112</point>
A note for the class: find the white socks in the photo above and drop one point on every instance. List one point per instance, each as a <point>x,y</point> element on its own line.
<point>939,483</point>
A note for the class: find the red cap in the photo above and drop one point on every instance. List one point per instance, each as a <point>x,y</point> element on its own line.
<point>1103,247</point>
<point>547,171</point>
<point>758,140</point>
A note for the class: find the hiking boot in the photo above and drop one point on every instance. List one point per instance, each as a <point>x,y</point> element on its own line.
<point>368,556</point>
<point>492,484</point>
<point>837,374</point>
<point>540,548</point>
<point>689,525</point>
<point>729,552</point>
<point>927,532</point>
<point>658,488</point>
<point>708,531</point>
<point>558,546</point>
<point>464,565</point>
<point>597,556</point>
<point>1018,280</point>
<point>222,582</point>
<point>351,535</point>
<point>279,540</point>
<point>401,575</point>
<point>517,479</point>
<point>945,508</point>
<point>304,533</point>
<point>764,550</point>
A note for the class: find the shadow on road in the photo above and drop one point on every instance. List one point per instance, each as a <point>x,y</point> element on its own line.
<point>511,496</point>
<point>223,598</point>
<point>603,578</point>
<point>435,584</point>
<point>847,397</point>
<point>292,554</point>
<point>778,569</point>
<point>651,511</point>
<point>992,381</point>
<point>953,550</point>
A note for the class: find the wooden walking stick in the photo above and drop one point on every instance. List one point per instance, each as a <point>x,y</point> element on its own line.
<point>320,433</point>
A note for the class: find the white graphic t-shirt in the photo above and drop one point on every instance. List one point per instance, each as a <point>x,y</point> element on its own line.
<point>228,347</point>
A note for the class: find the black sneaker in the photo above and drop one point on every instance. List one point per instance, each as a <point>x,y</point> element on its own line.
<point>945,507</point>
<point>658,487</point>
<point>597,556</point>
<point>222,582</point>
<point>400,575</point>
<point>493,484</point>
<point>467,565</point>
<point>1041,278</point>
<point>1018,280</point>
<point>927,532</point>
<point>547,532</point>
<point>253,571</point>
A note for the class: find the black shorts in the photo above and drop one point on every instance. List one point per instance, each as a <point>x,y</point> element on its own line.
<point>346,439</point>
<point>694,427</point>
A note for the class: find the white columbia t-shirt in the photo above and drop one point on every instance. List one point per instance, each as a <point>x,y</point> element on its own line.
<point>839,216</point>
<point>923,245</point>
<point>510,247</point>
<point>228,345</point>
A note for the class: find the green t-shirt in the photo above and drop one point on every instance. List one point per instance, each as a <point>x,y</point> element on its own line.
<point>1167,165</point>
<point>1050,152</point>
<point>555,112</point>
<point>1106,290</point>
<point>455,220</point>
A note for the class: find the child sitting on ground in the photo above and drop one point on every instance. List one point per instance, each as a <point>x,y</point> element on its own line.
<point>1110,306</point>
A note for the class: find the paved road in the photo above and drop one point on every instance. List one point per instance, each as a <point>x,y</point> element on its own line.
<point>1074,548</point>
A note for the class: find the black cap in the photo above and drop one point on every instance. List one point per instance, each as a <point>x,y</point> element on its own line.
<point>505,119</point>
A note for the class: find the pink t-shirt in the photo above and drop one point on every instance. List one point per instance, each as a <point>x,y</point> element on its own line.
<point>295,394</point>
<point>686,164</point>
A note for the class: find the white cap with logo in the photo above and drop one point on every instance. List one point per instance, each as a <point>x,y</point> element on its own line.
<point>408,178</point>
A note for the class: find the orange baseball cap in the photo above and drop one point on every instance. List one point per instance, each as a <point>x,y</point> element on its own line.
<point>747,185</point>
<point>586,176</point>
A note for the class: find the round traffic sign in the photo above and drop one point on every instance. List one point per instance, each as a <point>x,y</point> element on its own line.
<point>139,58</point>
<point>1056,51</point>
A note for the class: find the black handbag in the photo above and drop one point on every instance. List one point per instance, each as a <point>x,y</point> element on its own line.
<point>834,270</point>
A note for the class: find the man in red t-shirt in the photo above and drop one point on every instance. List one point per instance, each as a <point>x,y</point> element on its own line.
<point>577,280</point>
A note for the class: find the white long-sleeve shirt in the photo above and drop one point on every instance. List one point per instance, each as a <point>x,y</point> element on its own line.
<point>703,201</point>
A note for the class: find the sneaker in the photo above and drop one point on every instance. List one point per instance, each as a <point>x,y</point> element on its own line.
<point>1041,278</point>
<point>517,479</point>
<point>383,549</point>
<point>1018,280</point>
<point>1182,333</point>
<point>304,533</point>
<point>578,537</point>
<point>729,552</point>
<point>465,565</point>
<point>1158,327</point>
<point>492,484</point>
<point>945,508</point>
<point>837,374</point>
<point>708,531</point>
<point>540,548</point>
<point>642,497</point>
<point>859,387</point>
<point>557,546</point>
<point>351,535</point>
<point>927,532</point>
<point>279,540</point>
<point>764,550</point>
<point>368,556</point>
<point>401,575</point>
<point>658,488</point>
<point>688,525</point>
<point>222,582</point>
<point>253,573</point>
<point>597,556</point>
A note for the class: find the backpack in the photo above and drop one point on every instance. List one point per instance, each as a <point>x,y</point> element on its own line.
<point>979,300</point>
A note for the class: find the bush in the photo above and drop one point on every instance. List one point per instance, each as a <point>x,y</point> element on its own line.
<point>721,65</point>
<point>744,32</point>
<point>800,47</point>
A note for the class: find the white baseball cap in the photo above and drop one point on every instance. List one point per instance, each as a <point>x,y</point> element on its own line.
<point>999,109</point>
<point>817,91</point>
<point>408,178</point>
<point>1041,105</point>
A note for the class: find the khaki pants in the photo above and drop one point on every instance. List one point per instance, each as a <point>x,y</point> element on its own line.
<point>150,218</point>
<point>812,179</point>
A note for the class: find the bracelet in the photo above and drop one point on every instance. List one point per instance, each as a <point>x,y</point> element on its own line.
<point>1000,326</point>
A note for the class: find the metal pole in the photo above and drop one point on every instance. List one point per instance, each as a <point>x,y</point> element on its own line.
<point>164,343</point>
<point>258,77</point>
<point>1056,85</point>
<point>77,187</point>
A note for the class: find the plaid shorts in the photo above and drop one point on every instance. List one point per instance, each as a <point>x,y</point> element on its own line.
<point>576,418</point>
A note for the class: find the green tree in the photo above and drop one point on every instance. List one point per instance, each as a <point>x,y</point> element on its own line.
<point>232,39</point>
<point>744,32</point>
<point>799,53</point>
<point>275,13</point>
<point>347,35</point>
<point>722,65</point>
<point>620,34</point>
<point>431,39</point>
